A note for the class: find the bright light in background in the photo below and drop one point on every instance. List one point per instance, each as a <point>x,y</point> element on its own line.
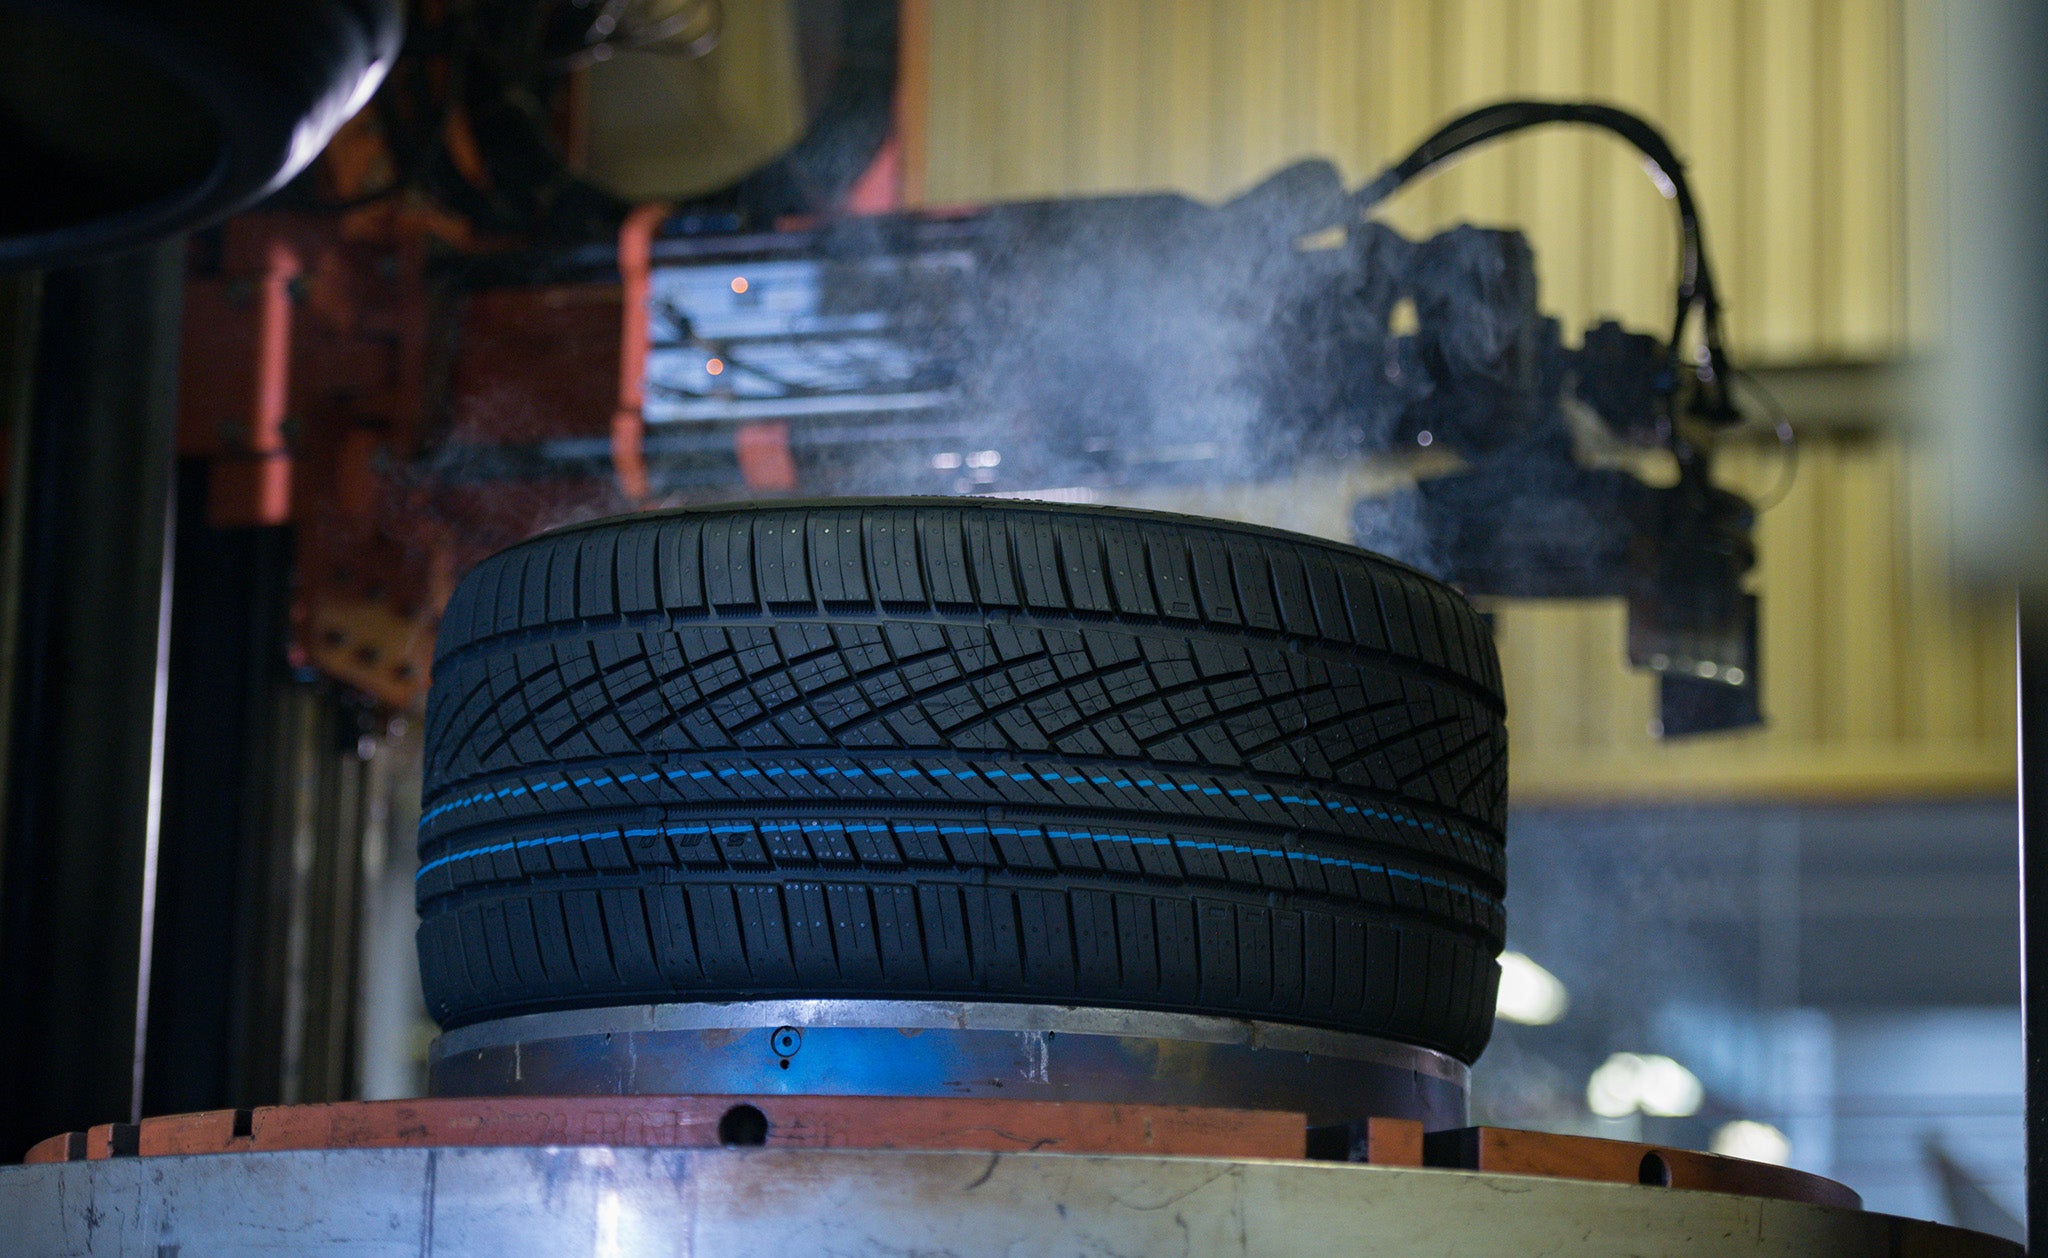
<point>1611,1092</point>
<point>1657,1086</point>
<point>606,1242</point>
<point>1668,1090</point>
<point>1758,1142</point>
<point>1529,994</point>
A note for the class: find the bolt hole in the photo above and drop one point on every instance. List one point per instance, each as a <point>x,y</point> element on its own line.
<point>743,1126</point>
<point>245,1124</point>
<point>1654,1171</point>
<point>785,1063</point>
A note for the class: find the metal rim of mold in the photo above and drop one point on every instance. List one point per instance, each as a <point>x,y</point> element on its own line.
<point>951,1048</point>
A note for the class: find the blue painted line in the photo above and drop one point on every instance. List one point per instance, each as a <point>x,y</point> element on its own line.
<point>1262,797</point>
<point>812,827</point>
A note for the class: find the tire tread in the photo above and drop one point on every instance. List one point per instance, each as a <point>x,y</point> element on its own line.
<point>989,751</point>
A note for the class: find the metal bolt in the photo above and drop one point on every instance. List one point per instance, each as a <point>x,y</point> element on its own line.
<point>786,1041</point>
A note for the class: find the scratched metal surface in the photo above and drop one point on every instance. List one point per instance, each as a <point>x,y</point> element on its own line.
<point>616,1202</point>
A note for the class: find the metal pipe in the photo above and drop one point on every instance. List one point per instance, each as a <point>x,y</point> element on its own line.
<point>153,814</point>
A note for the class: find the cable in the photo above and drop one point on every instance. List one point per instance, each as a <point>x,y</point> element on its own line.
<point>1788,441</point>
<point>1695,276</point>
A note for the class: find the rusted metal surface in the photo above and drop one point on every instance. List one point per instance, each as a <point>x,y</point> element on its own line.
<point>930,1123</point>
<point>1505,1151</point>
<point>701,1122</point>
<point>1393,1142</point>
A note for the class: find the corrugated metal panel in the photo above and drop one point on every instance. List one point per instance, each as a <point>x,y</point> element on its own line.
<point>1789,112</point>
<point>1878,678</point>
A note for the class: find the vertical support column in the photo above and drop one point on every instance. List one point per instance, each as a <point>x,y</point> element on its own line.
<point>212,1041</point>
<point>85,737</point>
<point>1992,113</point>
<point>2033,778</point>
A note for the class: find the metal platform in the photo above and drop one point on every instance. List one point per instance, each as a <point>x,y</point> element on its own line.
<point>642,1201</point>
<point>957,1049</point>
<point>646,1174</point>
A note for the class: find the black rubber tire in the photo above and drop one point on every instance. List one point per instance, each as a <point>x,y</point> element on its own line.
<point>964,750</point>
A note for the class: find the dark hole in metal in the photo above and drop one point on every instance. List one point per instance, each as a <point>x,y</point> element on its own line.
<point>1655,1170</point>
<point>743,1126</point>
<point>1333,1143</point>
<point>245,1122</point>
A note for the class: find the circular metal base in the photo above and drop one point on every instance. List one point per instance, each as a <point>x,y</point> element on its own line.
<point>947,1048</point>
<point>630,1201</point>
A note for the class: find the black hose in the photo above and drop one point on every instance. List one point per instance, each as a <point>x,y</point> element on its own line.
<point>1695,275</point>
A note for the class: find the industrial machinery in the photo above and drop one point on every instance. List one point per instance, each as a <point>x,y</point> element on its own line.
<point>837,855</point>
<point>1103,346</point>
<point>911,874</point>
<point>1088,350</point>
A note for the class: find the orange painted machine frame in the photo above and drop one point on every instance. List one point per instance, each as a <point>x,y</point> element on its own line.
<point>326,361</point>
<point>927,1123</point>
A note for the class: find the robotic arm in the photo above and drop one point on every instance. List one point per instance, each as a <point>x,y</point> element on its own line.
<point>1110,343</point>
<point>1526,516</point>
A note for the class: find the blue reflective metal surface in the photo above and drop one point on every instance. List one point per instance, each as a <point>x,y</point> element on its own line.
<point>913,1048</point>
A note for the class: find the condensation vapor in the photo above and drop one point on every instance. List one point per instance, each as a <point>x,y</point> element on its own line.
<point>1154,351</point>
<point>1230,360</point>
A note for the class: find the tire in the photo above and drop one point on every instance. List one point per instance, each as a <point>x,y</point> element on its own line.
<point>131,121</point>
<point>943,749</point>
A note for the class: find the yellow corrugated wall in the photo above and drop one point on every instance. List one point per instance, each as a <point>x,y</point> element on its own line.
<point>1790,115</point>
<point>1879,678</point>
<point>1794,119</point>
